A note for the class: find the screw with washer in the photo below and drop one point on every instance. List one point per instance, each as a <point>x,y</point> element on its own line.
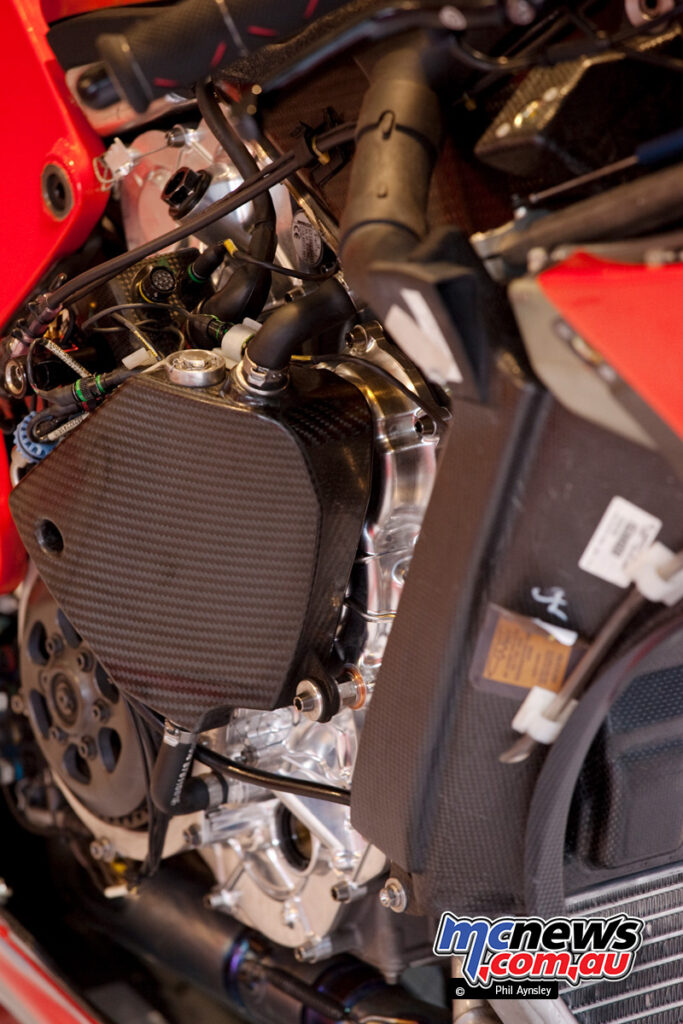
<point>393,896</point>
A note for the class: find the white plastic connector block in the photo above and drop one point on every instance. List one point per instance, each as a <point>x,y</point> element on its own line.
<point>234,339</point>
<point>644,571</point>
<point>140,357</point>
<point>531,720</point>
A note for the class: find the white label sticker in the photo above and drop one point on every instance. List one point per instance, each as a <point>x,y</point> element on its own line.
<point>623,532</point>
<point>307,241</point>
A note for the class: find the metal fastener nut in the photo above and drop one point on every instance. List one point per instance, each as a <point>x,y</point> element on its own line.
<point>196,368</point>
<point>309,700</point>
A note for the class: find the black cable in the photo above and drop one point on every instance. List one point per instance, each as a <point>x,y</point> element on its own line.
<point>41,341</point>
<point>437,412</point>
<point>131,305</point>
<point>255,776</point>
<point>272,780</point>
<point>157,821</point>
<point>301,275</point>
<point>247,290</point>
<point>276,171</point>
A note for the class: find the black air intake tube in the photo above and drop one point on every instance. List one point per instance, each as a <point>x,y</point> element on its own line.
<point>397,141</point>
<point>413,285</point>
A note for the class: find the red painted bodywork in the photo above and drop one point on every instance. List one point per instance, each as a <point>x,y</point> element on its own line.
<point>41,124</point>
<point>55,10</point>
<point>12,552</point>
<point>632,315</point>
<point>29,988</point>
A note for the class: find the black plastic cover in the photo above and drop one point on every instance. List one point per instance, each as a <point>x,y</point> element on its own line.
<point>521,487</point>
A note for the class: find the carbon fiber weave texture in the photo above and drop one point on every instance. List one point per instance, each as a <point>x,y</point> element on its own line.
<point>205,552</point>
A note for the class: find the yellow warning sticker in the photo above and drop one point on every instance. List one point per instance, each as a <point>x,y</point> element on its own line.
<point>526,657</point>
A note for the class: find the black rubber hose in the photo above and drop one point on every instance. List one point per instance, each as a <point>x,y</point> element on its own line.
<point>79,287</point>
<point>173,790</point>
<point>255,776</point>
<point>246,292</point>
<point>294,323</point>
<point>398,134</point>
<point>206,263</point>
<point>181,46</point>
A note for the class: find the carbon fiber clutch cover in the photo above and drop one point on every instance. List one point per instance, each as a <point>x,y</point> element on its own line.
<point>202,547</point>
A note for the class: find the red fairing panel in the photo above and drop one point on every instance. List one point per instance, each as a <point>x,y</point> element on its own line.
<point>29,991</point>
<point>13,556</point>
<point>42,124</point>
<point>56,9</point>
<point>632,315</point>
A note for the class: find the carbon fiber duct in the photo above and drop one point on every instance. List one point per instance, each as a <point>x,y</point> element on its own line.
<point>200,546</point>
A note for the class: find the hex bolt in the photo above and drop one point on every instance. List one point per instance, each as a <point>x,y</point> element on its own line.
<point>85,661</point>
<point>393,896</point>
<point>348,892</point>
<point>313,950</point>
<point>102,849</point>
<point>101,711</point>
<point>87,748</point>
<point>221,899</point>
<point>57,734</point>
<point>54,644</point>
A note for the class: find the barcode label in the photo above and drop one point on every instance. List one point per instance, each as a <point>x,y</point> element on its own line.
<point>623,532</point>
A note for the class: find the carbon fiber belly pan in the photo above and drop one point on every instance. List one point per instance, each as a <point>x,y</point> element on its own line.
<point>206,545</point>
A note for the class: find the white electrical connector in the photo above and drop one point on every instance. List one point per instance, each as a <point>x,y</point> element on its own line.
<point>530,718</point>
<point>140,357</point>
<point>236,337</point>
<point>651,574</point>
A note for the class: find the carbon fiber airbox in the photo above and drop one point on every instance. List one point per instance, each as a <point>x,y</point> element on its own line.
<point>206,545</point>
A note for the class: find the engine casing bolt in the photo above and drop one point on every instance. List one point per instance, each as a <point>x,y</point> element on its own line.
<point>57,734</point>
<point>85,661</point>
<point>102,849</point>
<point>101,711</point>
<point>87,748</point>
<point>54,644</point>
<point>393,896</point>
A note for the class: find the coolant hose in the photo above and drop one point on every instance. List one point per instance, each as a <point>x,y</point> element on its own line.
<point>172,788</point>
<point>295,322</point>
<point>246,292</point>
